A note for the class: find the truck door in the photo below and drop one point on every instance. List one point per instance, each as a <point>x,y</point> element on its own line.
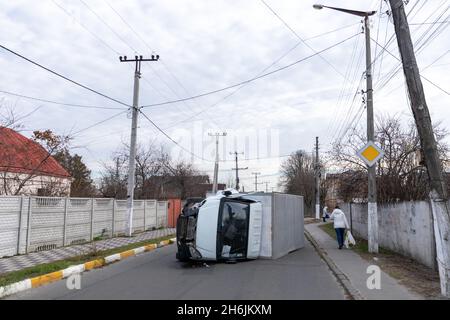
<point>232,235</point>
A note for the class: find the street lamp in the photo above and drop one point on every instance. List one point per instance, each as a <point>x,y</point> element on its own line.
<point>372,192</point>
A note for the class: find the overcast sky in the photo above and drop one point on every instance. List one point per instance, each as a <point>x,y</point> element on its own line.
<point>206,45</point>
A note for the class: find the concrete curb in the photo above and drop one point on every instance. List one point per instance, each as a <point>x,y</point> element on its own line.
<point>341,277</point>
<point>77,269</point>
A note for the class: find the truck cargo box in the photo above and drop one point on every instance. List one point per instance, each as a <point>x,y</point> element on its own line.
<point>282,223</point>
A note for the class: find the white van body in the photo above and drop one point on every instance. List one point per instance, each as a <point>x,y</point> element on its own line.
<point>235,226</point>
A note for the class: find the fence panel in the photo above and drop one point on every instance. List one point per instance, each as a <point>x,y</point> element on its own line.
<point>78,220</point>
<point>9,225</point>
<point>30,224</point>
<point>150,214</point>
<point>121,211</point>
<point>47,223</point>
<point>161,212</point>
<point>138,215</point>
<point>102,217</point>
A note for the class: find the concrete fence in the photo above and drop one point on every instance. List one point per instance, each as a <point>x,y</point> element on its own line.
<point>404,227</point>
<point>30,224</point>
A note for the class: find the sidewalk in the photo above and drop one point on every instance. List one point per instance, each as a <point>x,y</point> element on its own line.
<point>32,259</point>
<point>354,268</point>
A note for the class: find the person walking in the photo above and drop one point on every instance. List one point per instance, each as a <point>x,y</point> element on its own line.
<point>325,214</point>
<point>340,224</point>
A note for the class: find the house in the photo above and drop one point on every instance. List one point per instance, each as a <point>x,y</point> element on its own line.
<point>179,187</point>
<point>26,168</point>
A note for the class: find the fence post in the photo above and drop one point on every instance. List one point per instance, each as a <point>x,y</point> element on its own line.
<point>351,218</point>
<point>92,220</point>
<point>30,203</point>
<point>145,212</point>
<point>66,201</point>
<point>113,228</point>
<point>19,232</point>
<point>156,212</point>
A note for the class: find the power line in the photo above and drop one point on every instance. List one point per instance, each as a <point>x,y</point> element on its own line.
<point>301,39</point>
<point>251,79</point>
<point>126,43</point>
<point>59,103</point>
<point>100,122</point>
<point>265,69</point>
<point>63,77</point>
<point>162,61</point>
<point>168,137</point>
<point>331,31</point>
<point>423,77</point>
<point>104,43</point>
<point>86,29</point>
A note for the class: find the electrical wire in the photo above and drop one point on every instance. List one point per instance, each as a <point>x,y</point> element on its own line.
<point>251,79</point>
<point>300,38</point>
<point>423,77</point>
<point>63,77</point>
<point>58,103</point>
<point>98,123</point>
<point>168,137</point>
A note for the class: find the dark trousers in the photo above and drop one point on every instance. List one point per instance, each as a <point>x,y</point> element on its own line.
<point>340,236</point>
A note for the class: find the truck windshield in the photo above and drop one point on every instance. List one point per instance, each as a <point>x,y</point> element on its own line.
<point>234,226</point>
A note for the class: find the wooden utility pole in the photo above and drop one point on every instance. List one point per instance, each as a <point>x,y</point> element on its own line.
<point>438,188</point>
<point>237,168</point>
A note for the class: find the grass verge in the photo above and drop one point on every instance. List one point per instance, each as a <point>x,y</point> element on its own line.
<point>408,272</point>
<point>14,276</point>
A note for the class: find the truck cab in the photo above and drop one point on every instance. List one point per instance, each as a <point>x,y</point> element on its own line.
<point>223,227</point>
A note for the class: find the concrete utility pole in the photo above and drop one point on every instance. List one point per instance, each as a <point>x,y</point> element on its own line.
<point>216,164</point>
<point>372,184</point>
<point>317,178</point>
<point>438,194</point>
<point>134,119</point>
<point>372,221</point>
<point>237,168</point>
<point>256,179</point>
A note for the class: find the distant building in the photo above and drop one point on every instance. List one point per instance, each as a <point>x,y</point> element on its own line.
<point>170,187</point>
<point>26,168</point>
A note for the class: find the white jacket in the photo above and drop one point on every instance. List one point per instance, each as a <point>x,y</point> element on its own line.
<point>340,221</point>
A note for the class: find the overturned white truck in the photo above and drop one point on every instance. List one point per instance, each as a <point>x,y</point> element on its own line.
<point>236,226</point>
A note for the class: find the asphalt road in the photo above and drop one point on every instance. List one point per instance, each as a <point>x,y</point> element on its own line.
<point>158,275</point>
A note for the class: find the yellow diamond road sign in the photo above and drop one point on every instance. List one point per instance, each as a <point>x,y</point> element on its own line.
<point>370,153</point>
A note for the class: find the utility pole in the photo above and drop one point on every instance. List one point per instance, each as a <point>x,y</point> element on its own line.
<point>372,185</point>
<point>237,168</point>
<point>256,179</point>
<point>267,186</point>
<point>438,194</point>
<point>216,164</point>
<point>134,119</point>
<point>317,176</point>
<point>372,221</point>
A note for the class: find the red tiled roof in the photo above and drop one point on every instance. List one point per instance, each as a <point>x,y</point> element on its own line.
<point>19,154</point>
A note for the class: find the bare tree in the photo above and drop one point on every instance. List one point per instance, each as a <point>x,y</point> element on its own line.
<point>297,177</point>
<point>157,175</point>
<point>401,174</point>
